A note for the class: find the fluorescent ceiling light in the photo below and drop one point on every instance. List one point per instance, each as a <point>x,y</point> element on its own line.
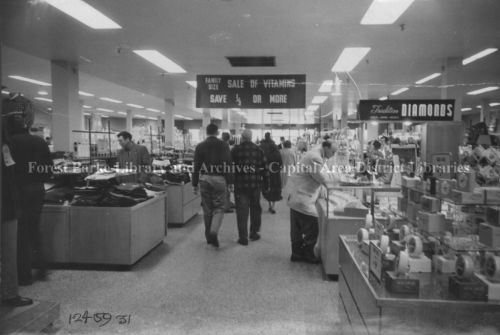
<point>385,11</point>
<point>407,123</point>
<point>111,100</point>
<point>152,118</point>
<point>312,108</point>
<point>104,116</point>
<point>483,90</point>
<point>160,60</point>
<point>43,99</point>
<point>5,92</point>
<point>85,94</point>
<point>29,80</point>
<point>384,98</point>
<point>374,123</point>
<point>135,106</point>
<point>319,99</point>
<point>153,110</point>
<point>494,104</point>
<point>86,106</point>
<point>428,78</point>
<point>401,90</point>
<point>122,113</point>
<point>479,55</point>
<point>43,93</point>
<point>479,106</point>
<point>192,83</point>
<point>326,86</point>
<point>180,116</point>
<point>466,109</point>
<point>139,115</point>
<point>349,58</point>
<point>87,114</point>
<point>188,118</point>
<point>105,110</point>
<point>84,13</point>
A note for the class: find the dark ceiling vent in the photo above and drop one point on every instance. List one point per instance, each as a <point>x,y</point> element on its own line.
<point>262,61</point>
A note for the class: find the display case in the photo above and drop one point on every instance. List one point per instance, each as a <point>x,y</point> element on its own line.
<point>183,204</point>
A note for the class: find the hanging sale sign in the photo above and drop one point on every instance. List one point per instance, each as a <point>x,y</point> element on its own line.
<point>247,91</point>
<point>407,110</point>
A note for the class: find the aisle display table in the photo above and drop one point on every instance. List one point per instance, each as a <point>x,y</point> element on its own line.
<point>183,204</point>
<point>102,235</point>
<point>371,309</point>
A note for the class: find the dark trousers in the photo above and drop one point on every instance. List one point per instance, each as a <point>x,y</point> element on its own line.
<point>304,232</point>
<point>213,201</point>
<point>248,202</point>
<point>29,246</point>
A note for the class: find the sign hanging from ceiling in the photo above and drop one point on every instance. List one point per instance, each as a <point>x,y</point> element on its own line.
<point>251,91</point>
<point>407,110</point>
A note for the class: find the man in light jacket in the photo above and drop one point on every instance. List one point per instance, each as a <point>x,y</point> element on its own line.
<point>304,188</point>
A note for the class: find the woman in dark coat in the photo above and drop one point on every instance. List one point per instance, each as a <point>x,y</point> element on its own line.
<point>275,164</point>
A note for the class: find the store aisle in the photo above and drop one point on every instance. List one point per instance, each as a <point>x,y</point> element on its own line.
<point>187,287</point>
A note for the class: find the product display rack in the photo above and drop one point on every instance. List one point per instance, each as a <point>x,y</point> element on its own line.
<point>92,148</point>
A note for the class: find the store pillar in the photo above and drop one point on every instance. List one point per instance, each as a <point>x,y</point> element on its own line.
<point>205,121</point>
<point>129,121</point>
<point>225,119</point>
<point>168,118</point>
<point>66,109</point>
<point>452,81</point>
<point>485,111</point>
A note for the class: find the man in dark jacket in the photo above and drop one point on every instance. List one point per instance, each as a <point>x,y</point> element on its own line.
<point>33,167</point>
<point>212,172</point>
<point>251,176</point>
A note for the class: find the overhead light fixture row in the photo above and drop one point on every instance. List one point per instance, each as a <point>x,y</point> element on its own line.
<point>494,104</point>
<point>43,99</point>
<point>153,110</point>
<point>384,98</point>
<point>479,55</point>
<point>483,90</point>
<point>30,80</point>
<point>163,62</point>
<point>5,92</point>
<point>85,13</point>
<point>401,90</point>
<point>349,58</point>
<point>428,78</point>
<point>466,109</point>
<point>43,93</point>
<point>85,94</point>
<point>86,106</point>
<point>135,106</point>
<point>105,110</point>
<point>385,11</point>
<point>111,100</point>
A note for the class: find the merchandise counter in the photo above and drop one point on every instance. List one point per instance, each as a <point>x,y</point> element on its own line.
<point>103,235</point>
<point>370,309</point>
<point>183,204</point>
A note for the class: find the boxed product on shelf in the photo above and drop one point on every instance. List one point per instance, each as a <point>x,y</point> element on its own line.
<point>430,204</point>
<point>489,235</point>
<point>412,211</point>
<point>401,284</point>
<point>465,198</point>
<point>468,289</point>
<point>409,181</point>
<point>466,181</point>
<point>493,216</point>
<point>492,195</point>
<point>431,222</point>
<point>444,187</point>
<point>402,204</point>
<point>414,196</point>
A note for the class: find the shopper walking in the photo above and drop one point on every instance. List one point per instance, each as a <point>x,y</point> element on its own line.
<point>289,162</point>
<point>226,137</point>
<point>33,166</point>
<point>212,176</point>
<point>275,164</point>
<point>9,289</point>
<point>304,188</point>
<point>251,177</point>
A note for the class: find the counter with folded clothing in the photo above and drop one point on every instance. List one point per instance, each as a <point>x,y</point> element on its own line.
<point>103,221</point>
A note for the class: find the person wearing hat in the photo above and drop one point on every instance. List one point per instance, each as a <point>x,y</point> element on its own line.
<point>33,167</point>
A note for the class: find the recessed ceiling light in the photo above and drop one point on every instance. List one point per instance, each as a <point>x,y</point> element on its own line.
<point>5,92</point>
<point>29,80</point>
<point>160,60</point>
<point>153,110</point>
<point>319,99</point>
<point>84,13</point>
<point>43,99</point>
<point>49,109</point>
<point>384,98</point>
<point>479,106</point>
<point>326,86</point>
<point>135,106</point>
<point>192,83</point>
<point>483,90</point>
<point>494,104</point>
<point>105,110</point>
<point>479,55</point>
<point>385,11</point>
<point>122,113</point>
<point>111,100</point>
<point>401,90</point>
<point>139,115</point>
<point>177,115</point>
<point>85,94</point>
<point>349,58</point>
<point>428,78</point>
<point>466,109</point>
<point>86,106</point>
<point>43,93</point>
